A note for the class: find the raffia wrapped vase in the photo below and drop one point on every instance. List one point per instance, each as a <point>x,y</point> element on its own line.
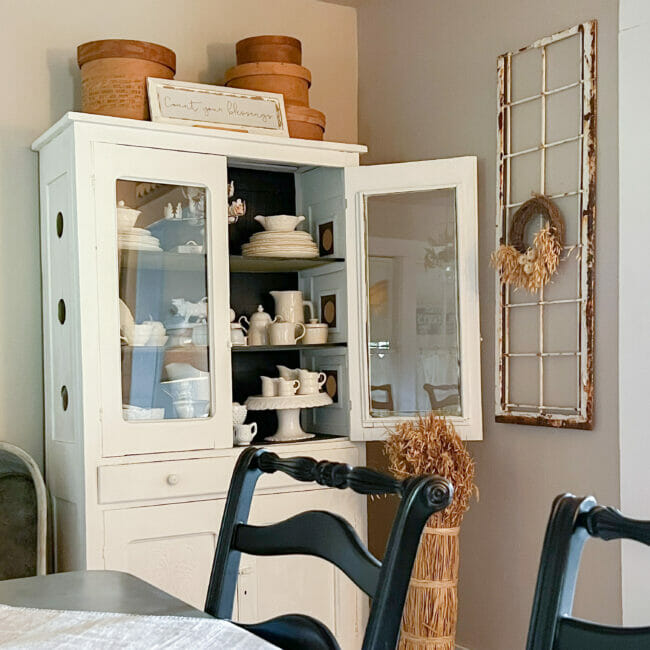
<point>431,608</point>
<point>430,445</point>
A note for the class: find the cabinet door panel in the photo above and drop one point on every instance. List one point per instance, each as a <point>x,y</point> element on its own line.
<point>161,239</point>
<point>170,546</point>
<point>270,586</point>
<point>414,315</point>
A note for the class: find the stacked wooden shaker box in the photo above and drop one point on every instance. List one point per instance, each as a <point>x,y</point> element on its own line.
<point>273,64</point>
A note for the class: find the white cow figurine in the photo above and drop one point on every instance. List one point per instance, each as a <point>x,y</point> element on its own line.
<point>187,309</point>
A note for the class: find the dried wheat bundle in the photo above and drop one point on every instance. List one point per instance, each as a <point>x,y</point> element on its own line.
<point>531,268</point>
<point>430,445</point>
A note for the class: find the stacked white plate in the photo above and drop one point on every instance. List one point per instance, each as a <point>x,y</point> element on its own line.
<point>138,239</point>
<point>296,243</point>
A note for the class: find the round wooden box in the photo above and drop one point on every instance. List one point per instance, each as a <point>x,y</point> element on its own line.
<point>289,79</point>
<point>284,49</point>
<point>305,122</point>
<point>114,75</point>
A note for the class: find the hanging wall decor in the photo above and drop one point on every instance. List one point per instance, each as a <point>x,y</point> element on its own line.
<point>531,267</point>
<point>546,148</point>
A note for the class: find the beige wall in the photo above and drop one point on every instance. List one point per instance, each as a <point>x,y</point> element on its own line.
<point>427,89</point>
<point>41,82</point>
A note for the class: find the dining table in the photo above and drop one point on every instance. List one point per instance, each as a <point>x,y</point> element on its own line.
<point>107,610</point>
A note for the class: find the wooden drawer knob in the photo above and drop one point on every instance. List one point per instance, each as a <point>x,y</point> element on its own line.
<point>172,479</point>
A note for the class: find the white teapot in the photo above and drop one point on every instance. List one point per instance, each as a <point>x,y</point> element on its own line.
<point>258,332</point>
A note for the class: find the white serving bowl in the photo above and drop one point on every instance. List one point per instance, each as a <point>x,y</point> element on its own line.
<point>192,388</point>
<point>183,371</point>
<point>131,412</point>
<point>187,408</point>
<point>279,222</point>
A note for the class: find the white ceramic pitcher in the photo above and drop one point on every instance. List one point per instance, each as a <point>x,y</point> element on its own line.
<point>290,306</point>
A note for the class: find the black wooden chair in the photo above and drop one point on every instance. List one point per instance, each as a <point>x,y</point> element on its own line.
<point>328,536</point>
<point>572,520</point>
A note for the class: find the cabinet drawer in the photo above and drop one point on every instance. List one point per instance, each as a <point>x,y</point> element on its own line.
<point>164,479</point>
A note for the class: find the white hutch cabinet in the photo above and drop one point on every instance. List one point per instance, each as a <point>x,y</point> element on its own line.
<point>138,472</point>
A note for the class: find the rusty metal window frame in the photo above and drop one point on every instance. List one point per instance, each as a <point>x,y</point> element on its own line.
<point>579,416</point>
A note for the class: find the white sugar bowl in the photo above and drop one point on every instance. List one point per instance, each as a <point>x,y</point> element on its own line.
<point>315,333</point>
<point>239,412</point>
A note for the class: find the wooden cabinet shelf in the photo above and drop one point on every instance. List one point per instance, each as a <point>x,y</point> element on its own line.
<point>241,264</point>
<point>162,260</point>
<point>284,348</point>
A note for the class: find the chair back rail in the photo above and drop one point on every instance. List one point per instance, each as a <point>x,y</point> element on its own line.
<point>328,536</point>
<point>317,533</point>
<point>572,520</point>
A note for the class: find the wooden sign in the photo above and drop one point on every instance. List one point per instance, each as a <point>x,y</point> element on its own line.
<point>234,109</point>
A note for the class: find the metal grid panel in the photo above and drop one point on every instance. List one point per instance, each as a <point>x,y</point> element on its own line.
<point>512,403</point>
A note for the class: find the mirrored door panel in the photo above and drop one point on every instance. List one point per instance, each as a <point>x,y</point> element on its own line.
<point>163,300</point>
<point>412,303</point>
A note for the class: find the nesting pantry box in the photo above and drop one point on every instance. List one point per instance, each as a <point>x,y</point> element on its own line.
<point>272,63</point>
<point>114,75</point>
<point>284,49</point>
<point>289,79</point>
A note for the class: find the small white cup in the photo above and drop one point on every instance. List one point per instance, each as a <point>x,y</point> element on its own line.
<point>309,376</point>
<point>269,386</point>
<point>141,334</point>
<point>244,433</point>
<point>287,387</point>
<point>311,382</point>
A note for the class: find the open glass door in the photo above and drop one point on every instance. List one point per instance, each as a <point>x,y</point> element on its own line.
<point>415,281</point>
<point>163,299</point>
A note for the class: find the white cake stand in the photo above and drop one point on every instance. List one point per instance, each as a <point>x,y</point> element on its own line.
<point>288,409</point>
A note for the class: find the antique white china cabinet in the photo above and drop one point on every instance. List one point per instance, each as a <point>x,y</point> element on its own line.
<point>138,481</point>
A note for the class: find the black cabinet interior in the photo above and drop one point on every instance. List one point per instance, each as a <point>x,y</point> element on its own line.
<point>265,193</point>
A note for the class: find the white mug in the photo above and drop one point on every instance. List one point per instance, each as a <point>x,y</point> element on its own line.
<point>287,387</point>
<point>269,386</point>
<point>244,433</point>
<point>311,382</point>
<point>141,334</point>
<point>284,333</point>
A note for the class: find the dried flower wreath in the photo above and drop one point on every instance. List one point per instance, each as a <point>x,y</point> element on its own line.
<point>531,267</point>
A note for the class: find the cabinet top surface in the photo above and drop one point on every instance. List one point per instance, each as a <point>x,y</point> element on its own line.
<point>120,123</point>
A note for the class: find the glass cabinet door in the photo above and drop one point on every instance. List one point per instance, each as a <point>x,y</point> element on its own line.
<point>412,303</point>
<point>163,300</point>
<point>162,223</point>
<point>416,224</point>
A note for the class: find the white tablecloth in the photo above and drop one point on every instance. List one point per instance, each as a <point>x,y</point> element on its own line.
<point>46,629</point>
